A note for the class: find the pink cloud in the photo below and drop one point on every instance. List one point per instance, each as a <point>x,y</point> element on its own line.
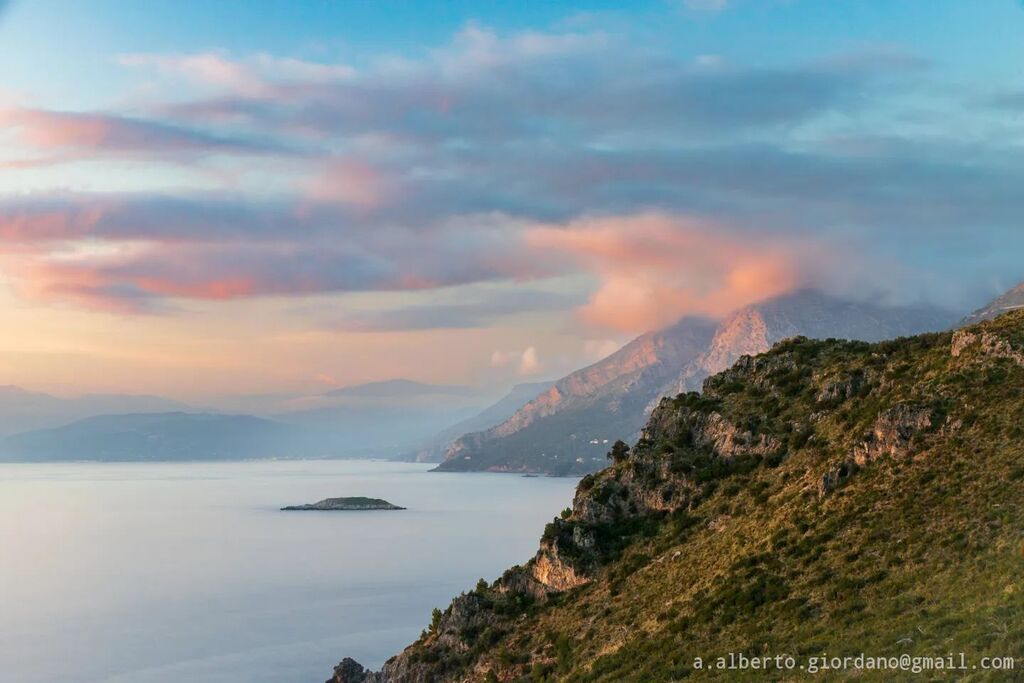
<point>68,132</point>
<point>352,182</point>
<point>252,76</point>
<point>655,268</point>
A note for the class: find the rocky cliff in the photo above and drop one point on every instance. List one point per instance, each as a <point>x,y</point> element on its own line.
<point>827,496</point>
<point>569,428</point>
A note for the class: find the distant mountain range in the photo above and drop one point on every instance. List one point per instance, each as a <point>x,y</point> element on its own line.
<point>22,410</point>
<point>380,419</point>
<point>154,437</point>
<point>568,429</point>
<point>564,427</point>
<point>400,389</point>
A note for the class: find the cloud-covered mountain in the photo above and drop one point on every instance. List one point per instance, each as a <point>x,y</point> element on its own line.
<point>569,428</point>
<point>1005,303</point>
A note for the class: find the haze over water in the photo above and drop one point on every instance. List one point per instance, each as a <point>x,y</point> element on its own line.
<point>160,573</point>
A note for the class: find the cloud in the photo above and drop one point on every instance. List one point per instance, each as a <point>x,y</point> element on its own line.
<point>655,268</point>
<point>509,158</point>
<point>132,253</point>
<point>530,363</point>
<point>527,362</point>
<point>40,129</point>
<point>252,76</point>
<point>350,181</point>
<point>473,311</point>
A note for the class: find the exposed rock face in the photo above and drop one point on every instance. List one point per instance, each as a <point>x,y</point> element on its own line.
<point>553,572</point>
<point>893,433</point>
<point>613,398</point>
<point>986,344</point>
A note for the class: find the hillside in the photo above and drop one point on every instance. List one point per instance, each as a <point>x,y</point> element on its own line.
<point>433,449</point>
<point>568,429</point>
<point>826,497</point>
<point>1009,301</point>
<point>154,436</point>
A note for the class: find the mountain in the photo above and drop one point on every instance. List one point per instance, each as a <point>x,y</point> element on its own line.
<point>386,419</point>
<point>568,429</point>
<point>433,449</point>
<point>399,388</point>
<point>1010,301</point>
<point>153,436</point>
<point>828,498</point>
<point>22,410</point>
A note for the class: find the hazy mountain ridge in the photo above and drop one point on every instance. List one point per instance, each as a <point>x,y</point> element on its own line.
<point>154,436</point>
<point>827,496</point>
<point>611,399</point>
<point>433,449</point>
<point>23,410</point>
<point>1009,301</point>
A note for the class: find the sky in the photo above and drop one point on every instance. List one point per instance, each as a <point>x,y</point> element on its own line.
<point>200,199</point>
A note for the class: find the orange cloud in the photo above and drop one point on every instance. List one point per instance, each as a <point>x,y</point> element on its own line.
<point>655,268</point>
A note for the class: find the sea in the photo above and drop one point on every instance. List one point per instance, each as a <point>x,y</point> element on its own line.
<point>172,572</point>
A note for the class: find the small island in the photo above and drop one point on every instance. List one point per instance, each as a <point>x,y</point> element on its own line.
<point>354,503</point>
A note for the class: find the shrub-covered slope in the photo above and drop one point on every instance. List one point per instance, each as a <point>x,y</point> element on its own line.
<point>827,496</point>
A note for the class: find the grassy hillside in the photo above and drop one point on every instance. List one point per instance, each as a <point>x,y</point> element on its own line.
<point>825,497</point>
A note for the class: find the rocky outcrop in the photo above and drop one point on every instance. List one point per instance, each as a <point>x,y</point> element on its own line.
<point>985,344</point>
<point>551,570</point>
<point>349,671</point>
<point>355,503</point>
<point>893,434</point>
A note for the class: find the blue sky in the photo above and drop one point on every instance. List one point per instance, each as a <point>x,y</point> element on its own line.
<point>531,183</point>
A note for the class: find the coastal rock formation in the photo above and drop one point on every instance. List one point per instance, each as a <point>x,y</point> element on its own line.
<point>809,495</point>
<point>353,503</point>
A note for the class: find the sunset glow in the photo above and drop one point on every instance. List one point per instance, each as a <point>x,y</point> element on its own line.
<point>201,213</point>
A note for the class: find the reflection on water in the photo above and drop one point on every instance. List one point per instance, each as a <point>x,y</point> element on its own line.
<point>153,573</point>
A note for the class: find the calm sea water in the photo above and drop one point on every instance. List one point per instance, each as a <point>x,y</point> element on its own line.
<point>161,573</point>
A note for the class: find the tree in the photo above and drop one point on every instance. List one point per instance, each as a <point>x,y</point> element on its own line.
<point>619,452</point>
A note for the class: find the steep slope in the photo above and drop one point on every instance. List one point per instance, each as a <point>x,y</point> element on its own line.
<point>567,428</point>
<point>433,449</point>
<point>158,436</point>
<point>540,437</point>
<point>1009,301</point>
<point>826,497</point>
